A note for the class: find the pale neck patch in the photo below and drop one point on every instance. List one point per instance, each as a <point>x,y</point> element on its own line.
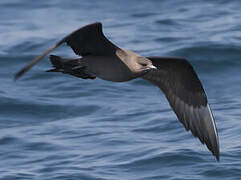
<point>129,58</point>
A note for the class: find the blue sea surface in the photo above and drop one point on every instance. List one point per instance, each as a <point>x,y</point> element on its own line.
<point>54,126</point>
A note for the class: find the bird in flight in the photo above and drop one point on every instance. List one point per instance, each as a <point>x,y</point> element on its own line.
<point>174,76</point>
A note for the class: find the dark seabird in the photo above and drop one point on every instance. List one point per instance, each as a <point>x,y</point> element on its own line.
<point>174,76</point>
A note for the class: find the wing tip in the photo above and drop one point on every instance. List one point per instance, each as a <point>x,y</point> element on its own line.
<point>216,150</point>
<point>216,153</point>
<point>215,146</point>
<point>19,74</point>
<point>217,157</point>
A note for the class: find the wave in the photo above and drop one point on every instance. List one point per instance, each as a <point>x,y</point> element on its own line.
<point>215,56</point>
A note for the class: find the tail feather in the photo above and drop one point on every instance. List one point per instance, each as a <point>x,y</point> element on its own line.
<point>53,70</point>
<point>73,67</point>
<point>57,62</point>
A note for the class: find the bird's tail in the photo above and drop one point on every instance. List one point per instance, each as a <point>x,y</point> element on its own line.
<point>74,67</point>
<point>61,64</point>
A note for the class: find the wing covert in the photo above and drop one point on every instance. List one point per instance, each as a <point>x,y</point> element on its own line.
<point>90,40</point>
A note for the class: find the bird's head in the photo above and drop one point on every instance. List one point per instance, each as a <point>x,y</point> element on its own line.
<point>138,65</point>
<point>144,64</point>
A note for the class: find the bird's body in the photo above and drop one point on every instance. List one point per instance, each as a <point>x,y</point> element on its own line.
<point>110,70</point>
<point>116,68</point>
<point>174,76</point>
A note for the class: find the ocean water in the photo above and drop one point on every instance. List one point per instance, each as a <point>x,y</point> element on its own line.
<point>54,126</point>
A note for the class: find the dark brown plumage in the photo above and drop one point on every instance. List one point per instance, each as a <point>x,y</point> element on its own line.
<point>174,76</point>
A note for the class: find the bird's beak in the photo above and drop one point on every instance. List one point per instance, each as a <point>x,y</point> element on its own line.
<point>153,67</point>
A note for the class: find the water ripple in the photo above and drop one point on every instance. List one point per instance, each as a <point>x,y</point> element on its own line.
<point>55,126</point>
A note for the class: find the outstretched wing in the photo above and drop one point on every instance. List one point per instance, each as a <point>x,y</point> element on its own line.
<point>88,40</point>
<point>184,91</point>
